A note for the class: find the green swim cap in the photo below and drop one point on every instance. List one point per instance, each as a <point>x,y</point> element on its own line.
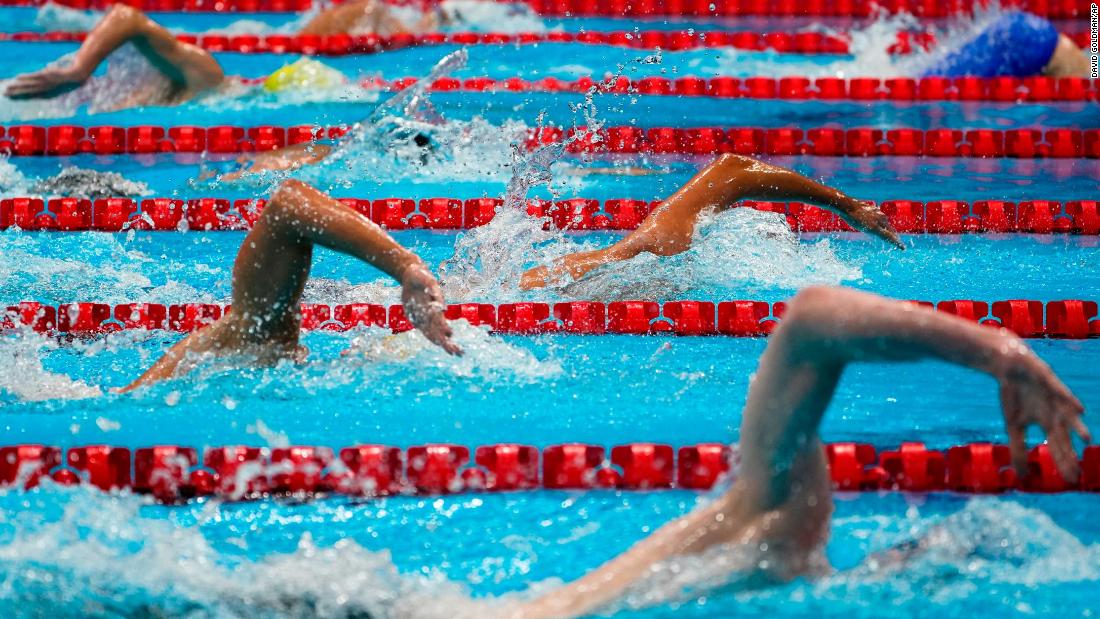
<point>304,73</point>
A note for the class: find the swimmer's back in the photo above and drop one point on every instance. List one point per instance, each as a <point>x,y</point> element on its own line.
<point>1016,44</point>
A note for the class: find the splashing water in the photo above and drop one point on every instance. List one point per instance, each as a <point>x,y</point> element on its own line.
<point>869,47</point>
<point>481,16</point>
<point>103,556</point>
<point>489,259</point>
<point>485,356</point>
<point>406,138</point>
<point>57,17</point>
<point>12,181</point>
<point>77,182</point>
<point>76,551</point>
<point>23,377</point>
<point>130,80</point>
<point>743,250</point>
<point>102,268</point>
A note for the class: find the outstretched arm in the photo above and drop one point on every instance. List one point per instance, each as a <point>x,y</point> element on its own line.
<point>273,265</point>
<point>288,158</point>
<point>668,230</point>
<point>192,68</point>
<point>782,496</point>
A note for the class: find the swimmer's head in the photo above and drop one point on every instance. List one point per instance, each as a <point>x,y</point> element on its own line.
<point>304,74</point>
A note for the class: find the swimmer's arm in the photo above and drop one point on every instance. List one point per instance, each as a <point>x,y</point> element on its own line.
<point>165,367</point>
<point>783,492</point>
<point>669,228</point>
<point>288,158</point>
<point>826,329</point>
<point>187,65</point>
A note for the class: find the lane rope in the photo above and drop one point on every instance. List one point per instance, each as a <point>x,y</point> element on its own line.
<point>806,42</point>
<point>173,473</point>
<point>1061,319</point>
<point>1030,143</point>
<point>904,90</point>
<point>1080,217</point>
<point>1055,9</point>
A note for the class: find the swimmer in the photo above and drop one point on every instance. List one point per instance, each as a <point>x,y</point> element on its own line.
<point>190,69</point>
<point>369,17</point>
<point>670,228</point>
<point>1015,44</point>
<point>780,504</point>
<point>271,271</point>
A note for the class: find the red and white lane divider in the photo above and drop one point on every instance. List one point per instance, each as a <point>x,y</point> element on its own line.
<point>1065,319</point>
<point>1056,9</point>
<point>1080,217</point>
<point>1062,143</point>
<point>172,473</point>
<point>806,42</point>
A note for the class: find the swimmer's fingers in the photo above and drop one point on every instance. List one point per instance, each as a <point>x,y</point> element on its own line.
<point>871,219</point>
<point>40,82</point>
<point>439,333</point>
<point>1061,449</point>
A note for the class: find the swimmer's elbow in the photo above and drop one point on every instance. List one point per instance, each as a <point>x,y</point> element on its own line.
<point>812,309</point>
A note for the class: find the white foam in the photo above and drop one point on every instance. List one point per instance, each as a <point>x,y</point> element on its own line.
<point>742,249</point>
<point>104,556</point>
<point>485,355</point>
<point>25,379</point>
<point>119,278</point>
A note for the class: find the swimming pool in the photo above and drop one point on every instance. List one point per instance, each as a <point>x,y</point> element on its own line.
<point>74,551</point>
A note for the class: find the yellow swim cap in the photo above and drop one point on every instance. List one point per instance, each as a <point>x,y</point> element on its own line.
<point>304,73</point>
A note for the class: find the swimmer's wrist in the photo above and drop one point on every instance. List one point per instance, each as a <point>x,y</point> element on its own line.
<point>412,266</point>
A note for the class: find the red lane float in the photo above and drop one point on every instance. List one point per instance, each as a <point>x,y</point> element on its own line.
<point>1065,319</point>
<point>806,42</point>
<point>344,45</point>
<point>1061,143</point>
<point>576,214</point>
<point>173,473</point>
<point>1055,9</point>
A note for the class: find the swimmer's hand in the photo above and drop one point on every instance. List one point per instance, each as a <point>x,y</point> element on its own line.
<point>45,82</point>
<point>423,301</point>
<point>1032,395</point>
<point>868,217</point>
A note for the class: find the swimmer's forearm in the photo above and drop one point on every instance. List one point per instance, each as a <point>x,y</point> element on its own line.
<point>307,212</point>
<point>118,26</point>
<point>842,326</point>
<point>823,331</point>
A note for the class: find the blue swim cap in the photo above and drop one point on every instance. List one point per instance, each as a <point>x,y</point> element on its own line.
<point>1016,44</point>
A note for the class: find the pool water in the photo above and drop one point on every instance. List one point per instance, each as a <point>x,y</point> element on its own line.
<point>69,552</point>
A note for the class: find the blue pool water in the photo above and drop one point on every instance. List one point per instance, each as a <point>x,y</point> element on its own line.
<point>71,552</point>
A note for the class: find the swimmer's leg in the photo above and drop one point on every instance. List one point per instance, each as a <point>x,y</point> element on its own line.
<point>669,229</point>
<point>191,68</point>
<point>272,268</point>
